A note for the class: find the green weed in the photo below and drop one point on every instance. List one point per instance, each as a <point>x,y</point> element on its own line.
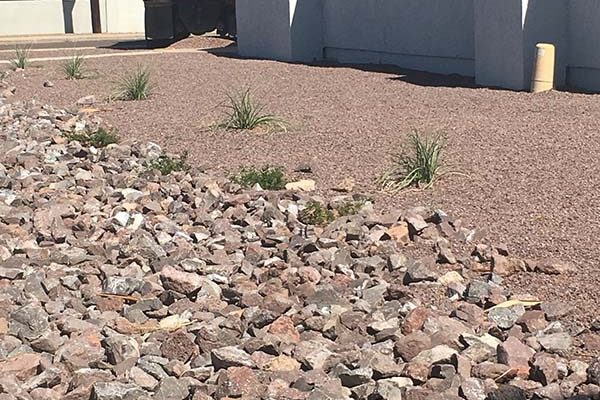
<point>99,138</point>
<point>167,164</point>
<point>316,213</point>
<point>349,208</point>
<point>268,177</point>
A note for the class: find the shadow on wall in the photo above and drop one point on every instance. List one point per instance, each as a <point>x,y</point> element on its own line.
<point>68,6</point>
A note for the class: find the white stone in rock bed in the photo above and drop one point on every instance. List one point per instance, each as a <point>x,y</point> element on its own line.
<point>270,261</point>
<point>407,307</point>
<point>437,354</point>
<point>382,325</point>
<point>137,220</point>
<point>293,209</point>
<point>83,175</point>
<point>218,278</point>
<point>163,238</point>
<point>122,217</point>
<point>132,194</point>
<point>80,126</point>
<point>183,235</point>
<point>7,196</point>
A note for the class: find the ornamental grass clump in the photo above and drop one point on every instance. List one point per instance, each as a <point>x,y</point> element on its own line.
<point>244,114</point>
<point>21,60</point>
<point>73,67</point>
<point>418,164</point>
<point>134,85</point>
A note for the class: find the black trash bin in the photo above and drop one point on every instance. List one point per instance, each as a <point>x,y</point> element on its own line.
<point>162,24</point>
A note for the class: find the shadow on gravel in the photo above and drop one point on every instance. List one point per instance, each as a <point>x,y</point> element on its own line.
<point>127,45</point>
<point>419,78</point>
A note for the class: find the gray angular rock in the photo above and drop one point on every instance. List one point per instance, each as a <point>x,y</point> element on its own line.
<point>117,391</point>
<point>355,377</point>
<point>120,348</point>
<point>559,342</point>
<point>418,271</point>
<point>231,356</point>
<point>121,285</point>
<point>29,322</point>
<point>171,389</point>
<point>473,389</point>
<point>506,317</point>
<point>437,354</point>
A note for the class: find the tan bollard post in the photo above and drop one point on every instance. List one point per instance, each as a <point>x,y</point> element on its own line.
<point>542,79</point>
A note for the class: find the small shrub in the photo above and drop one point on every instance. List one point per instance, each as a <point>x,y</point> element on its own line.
<point>134,85</point>
<point>21,59</point>
<point>73,67</point>
<point>418,164</point>
<point>316,213</point>
<point>99,138</point>
<point>269,178</point>
<point>245,114</point>
<point>167,164</point>
<point>349,208</point>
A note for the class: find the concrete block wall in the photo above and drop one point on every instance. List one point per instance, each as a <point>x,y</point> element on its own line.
<point>434,35</point>
<point>294,31</point>
<point>491,40</point>
<point>506,34</point>
<point>583,70</point>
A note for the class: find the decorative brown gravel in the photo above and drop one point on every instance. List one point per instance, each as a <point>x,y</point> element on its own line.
<point>530,174</point>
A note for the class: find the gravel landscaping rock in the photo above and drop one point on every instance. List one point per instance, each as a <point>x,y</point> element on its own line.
<point>121,283</point>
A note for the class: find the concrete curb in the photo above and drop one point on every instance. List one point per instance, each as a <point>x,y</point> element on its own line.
<point>67,40</point>
<point>124,54</point>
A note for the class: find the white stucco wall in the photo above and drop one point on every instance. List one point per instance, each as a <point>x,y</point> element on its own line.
<point>436,35</point>
<point>122,16</point>
<point>31,17</point>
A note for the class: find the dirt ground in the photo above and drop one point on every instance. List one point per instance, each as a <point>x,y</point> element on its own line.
<point>530,174</point>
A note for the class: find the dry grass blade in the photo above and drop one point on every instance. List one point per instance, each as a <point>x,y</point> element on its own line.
<point>21,59</point>
<point>420,163</point>
<point>245,114</point>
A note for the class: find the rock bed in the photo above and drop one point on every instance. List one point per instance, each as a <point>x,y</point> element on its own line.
<point>117,283</point>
